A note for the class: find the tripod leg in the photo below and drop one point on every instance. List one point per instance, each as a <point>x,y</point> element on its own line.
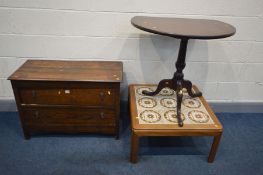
<point>179,95</point>
<point>188,85</point>
<point>162,84</point>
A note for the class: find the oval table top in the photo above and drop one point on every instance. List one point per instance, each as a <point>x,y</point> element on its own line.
<point>184,27</point>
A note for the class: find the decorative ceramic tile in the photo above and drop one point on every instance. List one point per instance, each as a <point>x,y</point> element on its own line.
<point>161,108</point>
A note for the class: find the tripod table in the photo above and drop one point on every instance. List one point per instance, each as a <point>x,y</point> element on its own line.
<point>183,29</point>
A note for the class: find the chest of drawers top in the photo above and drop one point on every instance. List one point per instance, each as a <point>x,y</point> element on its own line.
<point>79,71</point>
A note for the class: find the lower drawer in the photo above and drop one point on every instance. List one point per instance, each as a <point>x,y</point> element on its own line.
<point>69,116</point>
<point>69,129</point>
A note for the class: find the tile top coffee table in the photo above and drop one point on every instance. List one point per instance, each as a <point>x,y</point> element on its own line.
<point>156,116</point>
<point>183,29</point>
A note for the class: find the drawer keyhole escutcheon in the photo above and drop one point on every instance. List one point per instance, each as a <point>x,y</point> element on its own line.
<point>102,116</point>
<point>67,91</point>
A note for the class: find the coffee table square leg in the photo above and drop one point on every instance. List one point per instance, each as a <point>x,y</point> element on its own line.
<point>214,147</point>
<point>134,148</point>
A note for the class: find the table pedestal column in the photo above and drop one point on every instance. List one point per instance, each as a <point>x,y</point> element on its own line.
<point>177,83</point>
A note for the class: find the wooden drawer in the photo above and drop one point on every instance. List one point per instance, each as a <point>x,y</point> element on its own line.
<point>69,129</point>
<point>71,96</point>
<point>71,116</point>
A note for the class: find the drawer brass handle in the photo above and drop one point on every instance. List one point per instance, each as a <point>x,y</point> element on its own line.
<point>36,114</point>
<point>34,94</point>
<point>102,95</point>
<point>102,116</point>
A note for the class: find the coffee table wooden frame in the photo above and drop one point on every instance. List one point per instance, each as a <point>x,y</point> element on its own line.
<point>150,130</point>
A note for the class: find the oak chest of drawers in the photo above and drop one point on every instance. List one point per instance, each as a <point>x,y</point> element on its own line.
<point>68,96</point>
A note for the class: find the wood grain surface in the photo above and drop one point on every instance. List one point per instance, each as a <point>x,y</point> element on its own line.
<point>54,70</point>
<point>184,27</point>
